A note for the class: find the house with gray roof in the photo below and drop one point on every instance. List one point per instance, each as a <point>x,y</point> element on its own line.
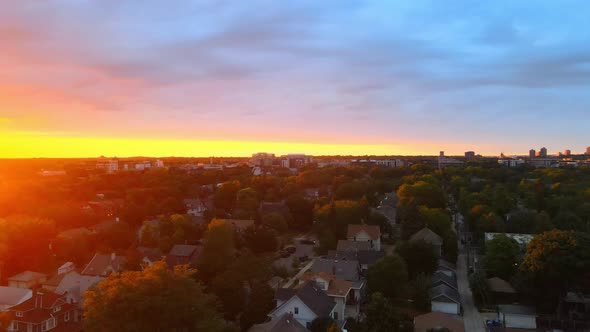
<point>347,245</point>
<point>439,278</point>
<point>104,264</point>
<point>445,299</point>
<point>365,258</point>
<point>517,316</point>
<point>183,254</point>
<point>430,237</point>
<point>348,270</point>
<point>11,296</point>
<point>305,303</point>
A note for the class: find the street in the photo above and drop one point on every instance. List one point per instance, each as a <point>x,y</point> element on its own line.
<point>472,319</point>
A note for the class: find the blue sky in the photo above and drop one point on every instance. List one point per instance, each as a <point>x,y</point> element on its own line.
<point>490,76</point>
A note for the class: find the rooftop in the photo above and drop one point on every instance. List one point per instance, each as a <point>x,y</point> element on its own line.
<point>27,276</point>
<point>373,231</point>
<point>428,236</point>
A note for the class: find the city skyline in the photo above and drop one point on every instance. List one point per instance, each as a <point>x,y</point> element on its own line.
<point>83,79</point>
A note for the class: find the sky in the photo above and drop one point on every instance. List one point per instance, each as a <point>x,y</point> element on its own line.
<point>83,78</point>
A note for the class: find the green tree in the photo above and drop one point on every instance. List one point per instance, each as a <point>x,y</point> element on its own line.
<point>502,257</point>
<point>479,288</point>
<point>176,302</point>
<point>419,257</point>
<point>302,212</point>
<point>247,201</point>
<point>421,292</point>
<point>225,195</point>
<point>261,302</point>
<point>389,276</point>
<point>219,249</point>
<point>260,239</point>
<point>275,221</point>
<point>381,315</point>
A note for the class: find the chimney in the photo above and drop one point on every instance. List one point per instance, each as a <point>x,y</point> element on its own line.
<point>39,299</point>
<point>113,256</point>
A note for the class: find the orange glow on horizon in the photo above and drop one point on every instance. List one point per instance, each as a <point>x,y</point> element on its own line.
<point>39,145</point>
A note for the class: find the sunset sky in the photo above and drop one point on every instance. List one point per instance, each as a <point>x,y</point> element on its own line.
<point>200,78</point>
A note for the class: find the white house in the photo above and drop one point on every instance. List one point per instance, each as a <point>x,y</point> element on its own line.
<point>365,233</point>
<point>194,207</point>
<point>305,303</point>
<point>517,316</point>
<point>445,299</point>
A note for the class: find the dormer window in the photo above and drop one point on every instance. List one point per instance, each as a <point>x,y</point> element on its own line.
<point>56,309</point>
<point>19,314</point>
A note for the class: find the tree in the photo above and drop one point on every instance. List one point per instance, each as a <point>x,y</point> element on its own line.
<point>438,220</point>
<point>381,315</point>
<point>247,201</point>
<point>275,221</point>
<point>260,239</point>
<point>225,195</point>
<point>479,288</point>
<point>388,276</point>
<point>261,302</point>
<point>421,292</point>
<point>419,257</point>
<point>302,212</point>
<point>219,249</point>
<point>321,324</point>
<point>502,257</point>
<point>450,246</point>
<point>567,220</point>
<point>176,302</point>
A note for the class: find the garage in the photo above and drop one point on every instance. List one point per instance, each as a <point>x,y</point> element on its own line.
<point>445,299</point>
<point>517,316</point>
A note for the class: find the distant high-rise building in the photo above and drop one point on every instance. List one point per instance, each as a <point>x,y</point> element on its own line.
<point>532,153</point>
<point>588,150</point>
<point>262,159</point>
<point>567,152</point>
<point>542,153</point>
<point>469,155</point>
<point>441,154</point>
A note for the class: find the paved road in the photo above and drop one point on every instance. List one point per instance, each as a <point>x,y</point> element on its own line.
<point>472,320</point>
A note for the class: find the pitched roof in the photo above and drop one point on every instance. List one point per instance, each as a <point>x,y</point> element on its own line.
<point>444,293</point>
<point>373,231</point>
<point>516,309</point>
<point>153,254</point>
<point>10,296</point>
<point>441,278</point>
<point>336,287</point>
<point>27,276</point>
<point>104,264</point>
<point>347,245</point>
<point>343,269</point>
<point>364,257</point>
<point>75,285</point>
<point>39,307</point>
<point>285,323</point>
<point>423,323</point>
<point>443,264</point>
<point>499,285</point>
<point>183,250</point>
<point>312,296</point>
<point>428,236</point>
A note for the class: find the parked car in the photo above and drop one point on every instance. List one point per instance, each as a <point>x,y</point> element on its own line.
<point>290,249</point>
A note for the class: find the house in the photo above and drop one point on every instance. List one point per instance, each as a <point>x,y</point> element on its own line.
<point>502,290</point>
<point>72,285</point>
<point>343,270</point>
<point>430,237</point>
<point>447,268</point>
<point>11,296</point>
<point>104,264</point>
<point>150,255</point>
<point>577,305</point>
<point>312,193</point>
<point>305,303</point>
<point>45,311</point>
<point>365,233</point>
<point>522,239</point>
<point>183,254</point>
<point>340,291</point>
<point>194,207</point>
<point>365,258</point>
<point>52,283</point>
<point>438,320</point>
<point>445,299</point>
<point>439,278</point>
<point>347,245</point>
<point>284,323</point>
<point>27,279</point>
<point>517,316</point>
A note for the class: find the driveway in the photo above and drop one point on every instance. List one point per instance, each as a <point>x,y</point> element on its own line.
<point>472,319</point>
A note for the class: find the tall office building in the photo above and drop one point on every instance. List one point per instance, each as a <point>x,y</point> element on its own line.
<point>469,155</point>
<point>542,153</point>
<point>532,153</point>
<point>567,152</point>
<point>588,150</point>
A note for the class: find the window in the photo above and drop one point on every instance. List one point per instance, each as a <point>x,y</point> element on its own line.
<point>13,326</point>
<point>48,324</point>
<point>296,311</point>
<point>19,314</point>
<point>29,327</point>
<point>56,309</point>
<point>67,316</point>
<point>335,315</point>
